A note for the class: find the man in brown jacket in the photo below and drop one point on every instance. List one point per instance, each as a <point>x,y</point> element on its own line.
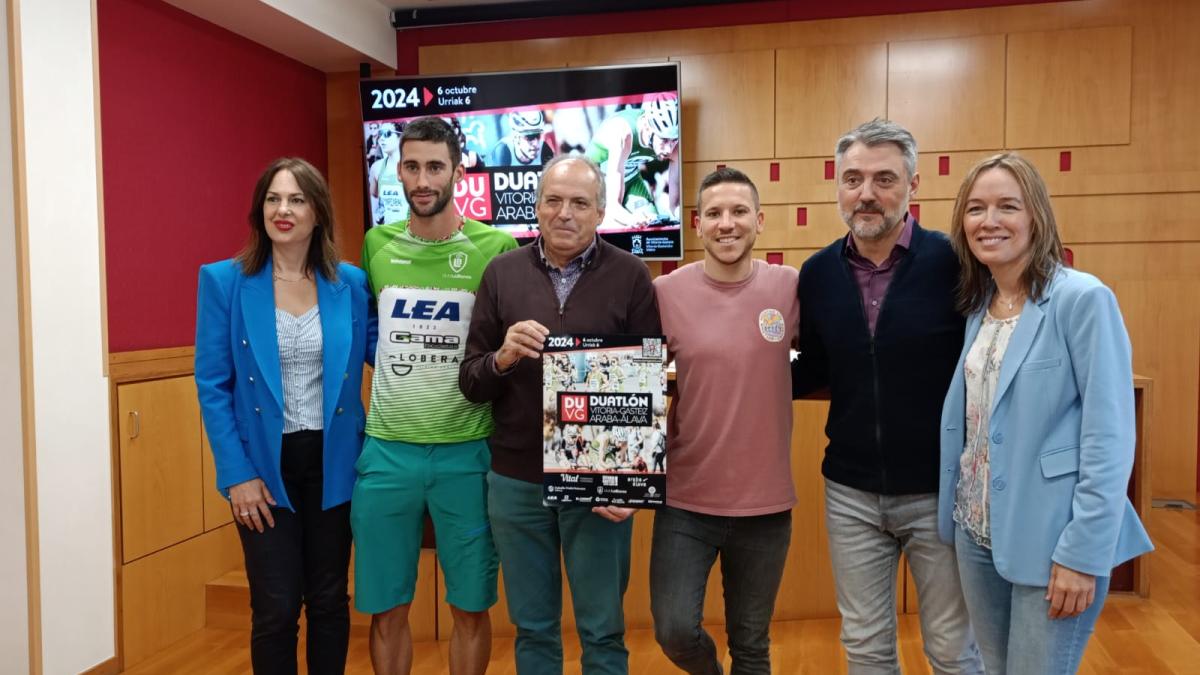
<point>568,281</point>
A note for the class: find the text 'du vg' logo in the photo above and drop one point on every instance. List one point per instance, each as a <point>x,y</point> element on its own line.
<point>573,408</point>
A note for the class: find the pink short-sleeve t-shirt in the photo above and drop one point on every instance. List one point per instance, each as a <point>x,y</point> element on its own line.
<point>730,423</point>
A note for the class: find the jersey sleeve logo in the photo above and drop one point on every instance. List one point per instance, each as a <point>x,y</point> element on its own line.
<point>771,325</point>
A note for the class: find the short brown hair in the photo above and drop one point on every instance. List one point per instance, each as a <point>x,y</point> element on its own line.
<point>726,174</point>
<point>322,254</point>
<point>1046,250</point>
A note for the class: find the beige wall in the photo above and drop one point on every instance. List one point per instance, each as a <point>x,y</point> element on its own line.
<point>59,219</point>
<point>1111,81</point>
<point>14,619</point>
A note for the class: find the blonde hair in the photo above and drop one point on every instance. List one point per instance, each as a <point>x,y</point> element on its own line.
<point>1045,248</point>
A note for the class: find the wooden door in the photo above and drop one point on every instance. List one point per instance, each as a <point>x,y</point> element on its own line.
<point>161,497</point>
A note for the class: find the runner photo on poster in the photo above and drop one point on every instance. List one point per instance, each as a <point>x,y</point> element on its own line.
<point>604,431</point>
<point>509,125</point>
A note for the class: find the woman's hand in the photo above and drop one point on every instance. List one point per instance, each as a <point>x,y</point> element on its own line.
<point>251,503</point>
<point>1069,592</point>
<point>614,513</point>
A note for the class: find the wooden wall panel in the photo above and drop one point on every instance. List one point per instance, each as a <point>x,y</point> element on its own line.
<point>821,93</point>
<point>800,180</point>
<point>344,129</point>
<point>216,508</point>
<point>1069,87</point>
<point>728,110</point>
<point>162,595</point>
<point>948,93</point>
<point>935,186</point>
<point>807,587</point>
<point>1129,218</point>
<point>935,214</point>
<point>588,61</point>
<point>490,57</point>
<point>825,225</point>
<point>1155,283</point>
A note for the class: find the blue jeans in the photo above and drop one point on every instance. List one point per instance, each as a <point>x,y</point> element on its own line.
<point>1016,633</point>
<point>867,532</point>
<point>753,551</point>
<point>529,537</point>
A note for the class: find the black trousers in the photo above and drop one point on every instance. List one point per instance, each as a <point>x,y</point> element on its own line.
<point>302,560</point>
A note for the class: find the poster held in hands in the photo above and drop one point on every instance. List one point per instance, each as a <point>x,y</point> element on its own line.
<point>604,423</point>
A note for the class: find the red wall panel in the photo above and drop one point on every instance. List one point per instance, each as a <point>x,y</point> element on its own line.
<point>190,114</point>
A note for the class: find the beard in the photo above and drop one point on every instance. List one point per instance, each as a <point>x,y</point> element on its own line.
<point>873,231</point>
<point>439,204</point>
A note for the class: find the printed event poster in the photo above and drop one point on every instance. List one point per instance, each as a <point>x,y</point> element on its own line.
<point>604,426</point>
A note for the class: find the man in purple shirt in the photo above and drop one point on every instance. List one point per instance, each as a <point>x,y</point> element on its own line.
<point>879,329</point>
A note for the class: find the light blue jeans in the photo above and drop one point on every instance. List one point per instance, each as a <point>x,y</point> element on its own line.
<point>867,532</point>
<point>595,551</point>
<point>1012,622</point>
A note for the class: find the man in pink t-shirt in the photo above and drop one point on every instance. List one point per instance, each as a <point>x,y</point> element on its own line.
<point>730,321</point>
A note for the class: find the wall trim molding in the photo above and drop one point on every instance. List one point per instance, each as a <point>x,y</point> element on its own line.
<point>150,364</point>
<point>110,666</point>
<point>28,435</point>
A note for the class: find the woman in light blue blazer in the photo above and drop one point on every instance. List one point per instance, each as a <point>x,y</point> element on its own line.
<point>282,332</point>
<point>1037,430</point>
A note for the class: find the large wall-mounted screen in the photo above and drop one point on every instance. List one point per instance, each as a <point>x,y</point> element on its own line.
<point>510,124</point>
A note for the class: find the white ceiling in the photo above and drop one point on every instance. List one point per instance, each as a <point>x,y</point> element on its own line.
<point>329,36</point>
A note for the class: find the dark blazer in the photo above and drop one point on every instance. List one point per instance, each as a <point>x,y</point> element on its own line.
<point>240,386</point>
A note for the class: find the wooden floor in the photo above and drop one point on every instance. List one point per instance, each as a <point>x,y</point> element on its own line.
<point>1159,636</point>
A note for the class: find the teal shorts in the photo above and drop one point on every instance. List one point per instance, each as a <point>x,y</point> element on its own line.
<point>397,483</point>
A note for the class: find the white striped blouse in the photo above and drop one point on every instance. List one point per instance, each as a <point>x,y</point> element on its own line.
<point>300,344</point>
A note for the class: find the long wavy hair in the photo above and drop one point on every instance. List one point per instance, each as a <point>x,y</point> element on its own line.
<point>975,281</point>
<point>322,253</point>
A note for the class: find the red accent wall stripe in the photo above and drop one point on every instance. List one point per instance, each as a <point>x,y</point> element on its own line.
<point>190,115</point>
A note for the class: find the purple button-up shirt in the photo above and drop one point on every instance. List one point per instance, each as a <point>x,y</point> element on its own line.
<point>872,279</point>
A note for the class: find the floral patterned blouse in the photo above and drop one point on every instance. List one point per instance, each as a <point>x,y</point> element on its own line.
<point>981,370</point>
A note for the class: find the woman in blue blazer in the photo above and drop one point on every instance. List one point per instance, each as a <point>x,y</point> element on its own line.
<point>282,332</point>
<point>1037,430</point>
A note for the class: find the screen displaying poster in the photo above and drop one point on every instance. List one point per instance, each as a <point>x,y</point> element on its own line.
<point>604,423</point>
<point>510,124</point>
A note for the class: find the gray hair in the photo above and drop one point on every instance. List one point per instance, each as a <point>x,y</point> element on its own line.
<point>588,162</point>
<point>877,132</point>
